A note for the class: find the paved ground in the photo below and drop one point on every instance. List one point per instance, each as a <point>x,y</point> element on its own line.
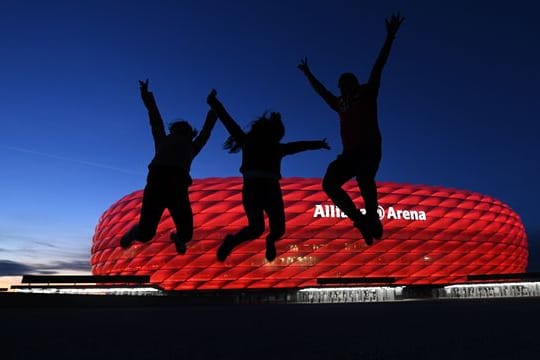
<point>115,328</point>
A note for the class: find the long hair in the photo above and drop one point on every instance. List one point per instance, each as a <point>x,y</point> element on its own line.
<point>264,129</point>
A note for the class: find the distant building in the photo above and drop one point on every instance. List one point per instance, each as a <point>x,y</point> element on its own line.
<point>433,235</point>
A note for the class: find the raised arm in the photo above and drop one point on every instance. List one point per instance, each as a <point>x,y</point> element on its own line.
<point>232,127</point>
<point>327,96</point>
<point>156,122</point>
<point>204,135</point>
<point>392,26</point>
<point>299,146</point>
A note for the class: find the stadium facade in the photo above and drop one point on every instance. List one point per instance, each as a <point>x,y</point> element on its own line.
<point>433,235</point>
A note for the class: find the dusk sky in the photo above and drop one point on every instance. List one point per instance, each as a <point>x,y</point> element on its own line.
<point>458,104</point>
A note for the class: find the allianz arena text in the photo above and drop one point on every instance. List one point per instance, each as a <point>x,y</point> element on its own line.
<point>432,235</point>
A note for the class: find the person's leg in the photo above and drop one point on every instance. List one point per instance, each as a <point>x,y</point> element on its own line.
<point>254,212</point>
<point>151,211</point>
<point>182,215</point>
<point>368,188</point>
<point>276,218</point>
<point>252,194</point>
<point>130,236</point>
<point>337,174</point>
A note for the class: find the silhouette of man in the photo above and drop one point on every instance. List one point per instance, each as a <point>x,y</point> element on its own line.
<point>262,152</point>
<point>169,175</point>
<point>360,136</point>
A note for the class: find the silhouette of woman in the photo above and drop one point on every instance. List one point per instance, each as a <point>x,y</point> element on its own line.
<point>262,153</point>
<point>169,175</point>
<point>360,136</point>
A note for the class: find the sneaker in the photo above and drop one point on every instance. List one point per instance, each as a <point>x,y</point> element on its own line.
<point>270,251</point>
<point>225,248</point>
<point>361,224</point>
<point>180,245</point>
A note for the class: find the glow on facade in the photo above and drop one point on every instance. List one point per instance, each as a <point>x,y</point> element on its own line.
<point>433,235</point>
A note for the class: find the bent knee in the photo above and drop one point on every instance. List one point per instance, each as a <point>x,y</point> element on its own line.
<point>329,186</point>
<point>256,230</point>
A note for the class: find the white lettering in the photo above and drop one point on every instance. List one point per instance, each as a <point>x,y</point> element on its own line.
<point>391,213</point>
<point>332,211</point>
<point>406,215</point>
<point>319,212</point>
<point>325,211</point>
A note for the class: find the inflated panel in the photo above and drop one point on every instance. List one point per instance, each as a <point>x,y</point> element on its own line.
<point>432,235</point>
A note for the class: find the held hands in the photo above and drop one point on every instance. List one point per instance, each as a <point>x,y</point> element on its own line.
<point>303,66</point>
<point>393,24</point>
<point>211,98</point>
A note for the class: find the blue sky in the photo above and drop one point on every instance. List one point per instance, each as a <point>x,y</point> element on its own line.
<point>458,105</point>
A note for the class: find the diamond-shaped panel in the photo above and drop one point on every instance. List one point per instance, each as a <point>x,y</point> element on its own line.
<point>433,235</point>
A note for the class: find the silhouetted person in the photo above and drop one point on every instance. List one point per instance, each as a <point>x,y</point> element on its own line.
<point>169,175</point>
<point>360,136</point>
<point>262,153</point>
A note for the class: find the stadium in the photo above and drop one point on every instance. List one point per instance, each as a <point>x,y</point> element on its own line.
<point>446,281</point>
<point>433,235</point>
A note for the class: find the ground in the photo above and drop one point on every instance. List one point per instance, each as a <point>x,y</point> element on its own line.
<point>164,328</point>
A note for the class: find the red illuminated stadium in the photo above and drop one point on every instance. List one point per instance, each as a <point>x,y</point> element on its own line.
<point>433,235</point>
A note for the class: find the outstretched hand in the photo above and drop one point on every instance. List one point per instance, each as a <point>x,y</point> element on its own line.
<point>143,85</point>
<point>393,24</point>
<point>324,144</point>
<point>303,66</point>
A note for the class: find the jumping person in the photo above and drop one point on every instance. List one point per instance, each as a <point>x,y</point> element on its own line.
<point>360,136</point>
<point>169,177</point>
<point>262,153</point>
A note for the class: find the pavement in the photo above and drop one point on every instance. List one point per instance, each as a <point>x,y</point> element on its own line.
<point>134,327</point>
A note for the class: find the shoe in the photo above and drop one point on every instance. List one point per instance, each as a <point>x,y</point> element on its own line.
<point>225,248</point>
<point>179,244</point>
<point>270,251</point>
<point>375,228</point>
<point>361,224</point>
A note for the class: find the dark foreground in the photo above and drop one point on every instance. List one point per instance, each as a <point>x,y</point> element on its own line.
<point>74,327</point>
